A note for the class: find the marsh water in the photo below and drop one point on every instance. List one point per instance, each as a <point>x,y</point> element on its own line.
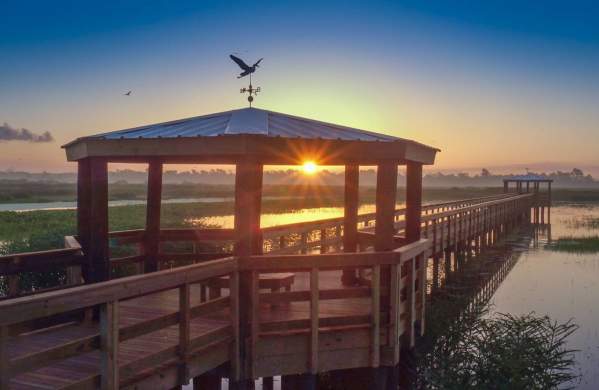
<point>562,285</point>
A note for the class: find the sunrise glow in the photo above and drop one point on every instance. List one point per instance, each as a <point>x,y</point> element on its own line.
<point>309,167</point>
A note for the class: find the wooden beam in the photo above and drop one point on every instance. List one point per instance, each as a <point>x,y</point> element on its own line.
<point>350,218</point>
<point>413,201</point>
<point>84,210</point>
<point>5,373</point>
<point>248,241</point>
<point>248,200</point>
<point>152,236</point>
<point>350,211</point>
<point>386,192</point>
<point>98,221</point>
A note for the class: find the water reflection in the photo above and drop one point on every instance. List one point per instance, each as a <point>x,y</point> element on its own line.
<point>276,219</point>
<point>561,285</point>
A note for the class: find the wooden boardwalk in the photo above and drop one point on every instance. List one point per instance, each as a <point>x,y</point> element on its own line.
<point>161,329</point>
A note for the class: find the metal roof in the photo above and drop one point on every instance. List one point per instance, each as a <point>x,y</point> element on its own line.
<point>527,177</point>
<point>247,121</point>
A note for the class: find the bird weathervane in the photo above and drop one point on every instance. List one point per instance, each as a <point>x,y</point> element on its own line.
<point>247,70</point>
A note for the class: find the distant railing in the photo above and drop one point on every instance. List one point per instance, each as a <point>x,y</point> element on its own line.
<point>14,267</point>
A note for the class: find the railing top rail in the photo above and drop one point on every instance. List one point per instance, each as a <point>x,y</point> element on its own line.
<point>320,223</point>
<point>24,256</point>
<point>45,304</point>
<point>474,206</point>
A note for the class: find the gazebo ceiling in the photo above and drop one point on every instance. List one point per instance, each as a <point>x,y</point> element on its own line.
<point>249,133</point>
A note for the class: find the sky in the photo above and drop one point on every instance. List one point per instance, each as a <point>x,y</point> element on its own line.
<point>491,83</point>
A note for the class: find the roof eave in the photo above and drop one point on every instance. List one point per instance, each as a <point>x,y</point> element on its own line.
<point>275,150</point>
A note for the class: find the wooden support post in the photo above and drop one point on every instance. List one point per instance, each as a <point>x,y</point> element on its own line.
<point>4,362</point>
<point>549,202</point>
<point>235,323</point>
<point>97,220</point>
<point>184,332</point>
<point>350,218</point>
<point>109,345</point>
<point>207,381</point>
<point>248,200</point>
<point>268,383</point>
<point>84,212</point>
<point>152,234</point>
<point>376,317</point>
<point>386,192</point>
<point>413,201</point>
<point>411,302</point>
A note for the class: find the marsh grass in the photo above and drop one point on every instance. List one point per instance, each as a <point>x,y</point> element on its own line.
<point>502,351</point>
<point>587,222</point>
<point>575,244</point>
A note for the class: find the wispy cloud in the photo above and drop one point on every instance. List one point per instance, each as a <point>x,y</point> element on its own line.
<point>8,133</point>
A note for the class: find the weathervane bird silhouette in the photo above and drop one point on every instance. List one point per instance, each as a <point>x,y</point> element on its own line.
<point>247,70</point>
<point>245,67</point>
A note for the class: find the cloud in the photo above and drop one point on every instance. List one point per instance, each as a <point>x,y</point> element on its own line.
<point>8,133</point>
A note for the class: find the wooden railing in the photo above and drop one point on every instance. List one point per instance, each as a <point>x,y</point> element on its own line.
<point>14,267</point>
<point>106,334</point>
<point>385,325</point>
<point>304,237</point>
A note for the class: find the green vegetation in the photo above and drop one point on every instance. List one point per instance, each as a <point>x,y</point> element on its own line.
<point>587,222</point>
<point>502,351</point>
<point>575,244</point>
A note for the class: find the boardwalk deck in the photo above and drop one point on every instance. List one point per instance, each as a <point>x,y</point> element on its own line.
<point>157,331</point>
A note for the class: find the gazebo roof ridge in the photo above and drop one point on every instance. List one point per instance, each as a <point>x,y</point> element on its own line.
<point>234,122</point>
<point>528,177</point>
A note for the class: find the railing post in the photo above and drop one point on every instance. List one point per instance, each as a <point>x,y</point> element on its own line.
<point>422,290</point>
<point>314,316</point>
<point>282,242</point>
<point>234,299</point>
<point>376,316</point>
<point>184,332</point>
<point>13,283</point>
<point>255,322</point>
<point>4,362</point>
<point>109,345</point>
<point>304,243</point>
<point>394,313</point>
<point>411,296</point>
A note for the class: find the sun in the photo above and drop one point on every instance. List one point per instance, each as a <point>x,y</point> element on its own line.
<point>309,167</point>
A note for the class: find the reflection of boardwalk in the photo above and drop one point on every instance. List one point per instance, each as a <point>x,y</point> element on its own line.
<point>467,280</point>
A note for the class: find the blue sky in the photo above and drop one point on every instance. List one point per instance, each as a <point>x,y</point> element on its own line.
<point>491,83</point>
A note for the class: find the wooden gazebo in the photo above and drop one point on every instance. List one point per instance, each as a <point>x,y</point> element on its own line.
<point>532,183</point>
<point>249,138</point>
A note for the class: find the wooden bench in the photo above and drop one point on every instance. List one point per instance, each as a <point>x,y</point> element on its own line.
<point>274,282</point>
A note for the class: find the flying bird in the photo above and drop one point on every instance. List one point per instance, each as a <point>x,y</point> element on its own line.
<point>245,67</point>
<point>128,93</point>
